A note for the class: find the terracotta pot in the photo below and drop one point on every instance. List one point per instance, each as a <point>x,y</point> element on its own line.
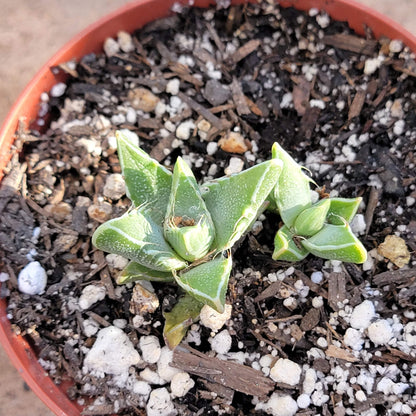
<point>129,18</point>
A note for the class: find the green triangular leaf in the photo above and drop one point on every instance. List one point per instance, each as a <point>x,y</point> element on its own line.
<point>179,319</point>
<point>188,226</point>
<point>137,237</point>
<point>285,248</point>
<point>208,282</point>
<point>147,181</point>
<point>343,209</point>
<point>312,219</point>
<point>235,201</point>
<point>135,271</point>
<point>336,242</point>
<point>292,192</point>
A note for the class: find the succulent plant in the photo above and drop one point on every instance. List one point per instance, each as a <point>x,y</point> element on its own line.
<point>178,231</point>
<point>321,228</point>
<point>182,232</point>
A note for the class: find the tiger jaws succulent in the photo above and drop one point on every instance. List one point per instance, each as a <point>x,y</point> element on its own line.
<point>178,231</point>
<point>321,228</point>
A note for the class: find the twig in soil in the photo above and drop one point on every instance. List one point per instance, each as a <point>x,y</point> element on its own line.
<point>395,276</point>
<point>239,98</point>
<point>32,204</point>
<point>222,391</point>
<point>270,291</point>
<point>98,409</point>
<point>308,122</point>
<point>266,341</point>
<point>371,206</point>
<point>336,352</point>
<point>214,35</point>
<point>105,275</point>
<point>357,104</point>
<point>245,50</point>
<point>351,43</point>
<point>286,319</point>
<point>93,272</point>
<point>236,376</point>
<point>310,320</point>
<point>11,184</point>
<point>214,120</point>
<point>336,290</point>
<point>103,322</point>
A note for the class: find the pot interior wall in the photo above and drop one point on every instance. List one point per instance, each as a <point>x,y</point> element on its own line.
<point>130,18</point>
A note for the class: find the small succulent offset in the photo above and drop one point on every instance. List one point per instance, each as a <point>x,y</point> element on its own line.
<point>321,228</point>
<point>177,231</point>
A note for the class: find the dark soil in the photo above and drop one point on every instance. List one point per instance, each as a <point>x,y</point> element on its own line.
<point>272,75</point>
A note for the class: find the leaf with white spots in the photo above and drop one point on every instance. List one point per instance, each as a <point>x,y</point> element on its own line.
<point>135,271</point>
<point>136,236</point>
<point>336,242</point>
<point>236,201</point>
<point>208,282</point>
<point>147,181</point>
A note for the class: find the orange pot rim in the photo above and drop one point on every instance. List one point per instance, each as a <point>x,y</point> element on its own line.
<point>129,18</point>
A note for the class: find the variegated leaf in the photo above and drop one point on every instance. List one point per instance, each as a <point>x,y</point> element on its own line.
<point>292,192</point>
<point>137,237</point>
<point>336,242</point>
<point>179,319</point>
<point>343,210</point>
<point>148,182</point>
<point>285,249</point>
<point>188,226</point>
<point>135,271</point>
<point>235,201</point>
<point>208,282</point>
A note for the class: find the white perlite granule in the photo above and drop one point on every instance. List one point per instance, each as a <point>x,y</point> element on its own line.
<point>303,401</point>
<point>279,405</point>
<point>150,348</point>
<point>172,87</point>
<point>4,277</point>
<point>309,381</point>
<point>183,131</point>
<point>90,295</point>
<point>180,385</point>
<point>111,47</point>
<point>32,279</point>
<point>380,332</point>
<point>221,343</point>
<point>286,371</point>
<point>160,403</point>
<point>212,319</point>
<point>362,315</point>
<point>112,353</point>
<point>236,166</point>
<point>353,338</point>
<point>164,370</point>
<point>317,277</point>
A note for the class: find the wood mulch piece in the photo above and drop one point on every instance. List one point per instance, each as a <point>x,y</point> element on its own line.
<point>351,43</point>
<point>232,375</point>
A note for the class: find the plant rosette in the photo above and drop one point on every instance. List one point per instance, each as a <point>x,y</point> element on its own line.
<point>215,218</point>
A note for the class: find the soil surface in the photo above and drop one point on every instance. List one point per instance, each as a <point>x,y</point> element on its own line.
<point>341,105</point>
